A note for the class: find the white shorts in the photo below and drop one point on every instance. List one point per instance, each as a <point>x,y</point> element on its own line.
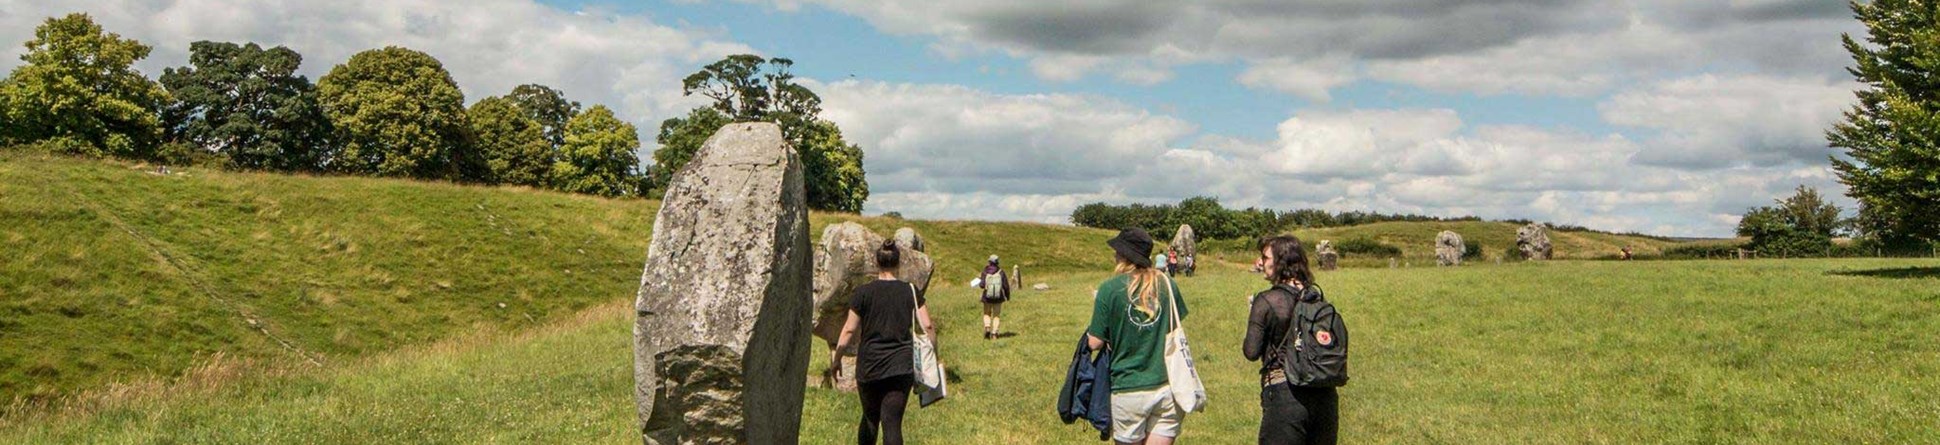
<point>1139,413</point>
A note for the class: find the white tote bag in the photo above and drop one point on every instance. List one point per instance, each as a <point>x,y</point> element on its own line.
<point>929,370</point>
<point>1187,391</point>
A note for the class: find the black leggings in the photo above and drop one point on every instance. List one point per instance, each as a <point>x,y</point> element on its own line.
<point>882,405</point>
<point>1295,415</point>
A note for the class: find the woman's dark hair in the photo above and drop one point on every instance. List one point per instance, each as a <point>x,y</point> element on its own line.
<point>888,257</point>
<point>1289,260</point>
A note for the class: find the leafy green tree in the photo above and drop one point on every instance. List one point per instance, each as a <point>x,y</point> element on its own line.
<point>248,104</point>
<point>1892,135</point>
<point>1801,225</point>
<point>832,168</point>
<point>748,88</point>
<point>548,107</point>
<point>514,146</point>
<point>79,86</point>
<point>398,114</point>
<point>599,156</point>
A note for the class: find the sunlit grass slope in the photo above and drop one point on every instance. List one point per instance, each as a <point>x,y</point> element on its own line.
<point>110,272</point>
<point>1777,351</point>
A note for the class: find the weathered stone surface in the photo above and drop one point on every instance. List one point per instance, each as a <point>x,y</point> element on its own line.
<point>908,239</point>
<point>1183,242</point>
<point>1041,286</point>
<point>1449,248</point>
<point>720,342</point>
<point>1533,241</point>
<point>1325,254</point>
<point>845,261</point>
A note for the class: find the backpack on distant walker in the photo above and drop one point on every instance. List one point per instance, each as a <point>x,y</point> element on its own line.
<point>994,286</point>
<point>1316,341</point>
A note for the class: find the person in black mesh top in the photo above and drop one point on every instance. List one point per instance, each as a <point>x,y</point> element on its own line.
<point>1288,414</point>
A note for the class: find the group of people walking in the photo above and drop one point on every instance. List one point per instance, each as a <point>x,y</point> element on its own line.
<point>1135,327</point>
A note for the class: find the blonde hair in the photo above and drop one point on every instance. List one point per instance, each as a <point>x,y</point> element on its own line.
<point>1142,289</point>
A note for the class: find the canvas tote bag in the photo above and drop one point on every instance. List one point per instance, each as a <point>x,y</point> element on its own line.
<point>929,370</point>
<point>1187,391</point>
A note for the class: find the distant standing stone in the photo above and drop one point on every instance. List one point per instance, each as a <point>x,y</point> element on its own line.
<point>1533,241</point>
<point>1328,258</point>
<point>908,239</point>
<point>721,338</point>
<point>1449,248</point>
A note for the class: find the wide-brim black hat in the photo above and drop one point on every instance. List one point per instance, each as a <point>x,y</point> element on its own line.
<point>1134,245</point>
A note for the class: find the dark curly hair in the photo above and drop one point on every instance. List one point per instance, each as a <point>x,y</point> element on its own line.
<point>1289,260</point>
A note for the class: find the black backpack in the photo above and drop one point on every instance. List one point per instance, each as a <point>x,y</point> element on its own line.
<point>1316,342</point>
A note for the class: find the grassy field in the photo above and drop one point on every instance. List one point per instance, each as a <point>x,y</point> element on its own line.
<point>115,274</point>
<point>1777,351</point>
<point>217,307</point>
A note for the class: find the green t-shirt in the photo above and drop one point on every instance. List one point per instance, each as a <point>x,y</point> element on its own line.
<point>1137,341</point>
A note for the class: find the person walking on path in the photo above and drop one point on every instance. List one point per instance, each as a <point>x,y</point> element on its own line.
<point>1289,414</point>
<point>1130,316</point>
<point>880,317</point>
<point>996,290</point>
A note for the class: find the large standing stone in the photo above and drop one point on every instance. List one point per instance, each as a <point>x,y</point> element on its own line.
<point>908,239</point>
<point>1325,254</point>
<point>1449,248</point>
<point>720,342</point>
<point>846,260</point>
<point>1533,241</point>
<point>1183,241</point>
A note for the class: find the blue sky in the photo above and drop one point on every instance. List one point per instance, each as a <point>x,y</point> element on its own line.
<point>1662,116</point>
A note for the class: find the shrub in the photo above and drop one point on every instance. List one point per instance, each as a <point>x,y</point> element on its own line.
<point>1366,246</point>
<point>1703,250</point>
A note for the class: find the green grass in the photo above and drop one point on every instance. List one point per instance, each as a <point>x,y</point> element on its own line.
<point>1780,351</point>
<point>113,274</point>
<point>125,301</point>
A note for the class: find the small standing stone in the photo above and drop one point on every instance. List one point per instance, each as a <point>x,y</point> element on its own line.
<point>1328,258</point>
<point>1449,248</point>
<point>1533,241</point>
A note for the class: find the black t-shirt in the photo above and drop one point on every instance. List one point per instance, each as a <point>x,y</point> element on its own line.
<point>887,312</point>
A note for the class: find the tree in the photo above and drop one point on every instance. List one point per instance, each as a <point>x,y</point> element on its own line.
<point>249,105</point>
<point>832,168</point>
<point>79,84</point>
<point>514,146</point>
<point>1892,136</point>
<point>1801,225</point>
<point>398,113</point>
<point>748,88</point>
<point>743,91</point>
<point>548,107</point>
<point>599,155</point>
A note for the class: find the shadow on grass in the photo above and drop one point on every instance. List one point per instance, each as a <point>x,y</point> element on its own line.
<point>1901,272</point>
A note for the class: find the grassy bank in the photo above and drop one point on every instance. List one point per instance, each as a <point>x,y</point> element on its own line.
<point>114,273</point>
<point>1794,351</point>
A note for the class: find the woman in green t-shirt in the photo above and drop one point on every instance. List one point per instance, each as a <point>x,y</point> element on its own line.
<point>1129,314</point>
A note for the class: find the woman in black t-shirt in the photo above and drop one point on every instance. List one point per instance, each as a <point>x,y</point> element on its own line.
<point>880,318</point>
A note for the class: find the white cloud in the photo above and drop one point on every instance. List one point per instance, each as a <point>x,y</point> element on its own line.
<point>1310,79</point>
<point>1713,121</point>
<point>953,139</point>
<point>625,62</point>
<point>1565,47</point>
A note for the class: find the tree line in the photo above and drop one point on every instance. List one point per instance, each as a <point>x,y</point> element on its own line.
<point>388,112</point>
<point>1210,220</point>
